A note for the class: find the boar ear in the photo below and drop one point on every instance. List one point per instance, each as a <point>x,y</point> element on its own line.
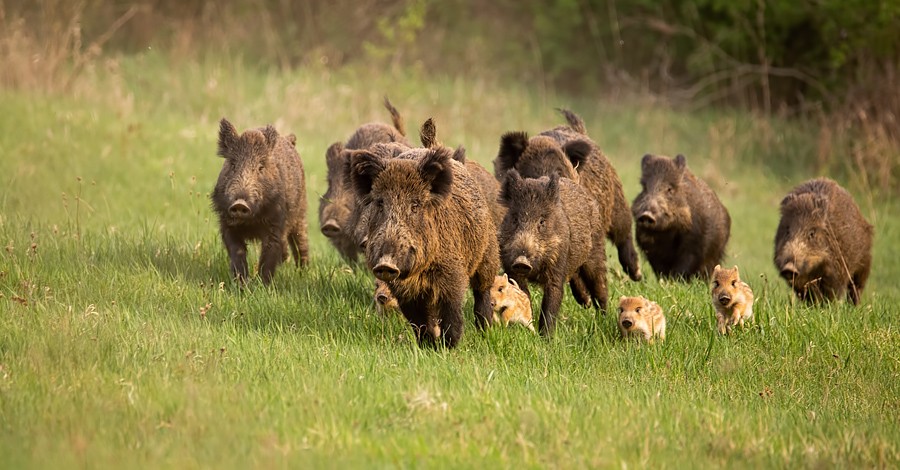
<point>271,136</point>
<point>820,203</point>
<point>512,146</point>
<point>428,134</point>
<point>553,187</point>
<point>717,268</point>
<point>621,298</point>
<point>510,186</point>
<point>578,152</point>
<point>435,168</point>
<point>364,168</point>
<point>333,157</point>
<point>228,137</point>
<point>646,160</point>
<point>292,139</point>
<point>680,161</point>
<point>513,282</point>
<point>460,154</point>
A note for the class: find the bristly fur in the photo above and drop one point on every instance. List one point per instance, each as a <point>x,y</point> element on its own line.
<point>435,169</point>
<point>512,145</point>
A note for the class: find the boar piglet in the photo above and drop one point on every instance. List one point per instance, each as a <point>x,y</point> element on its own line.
<point>550,234</point>
<point>682,227</point>
<point>336,206</point>
<point>823,245</point>
<point>260,195</point>
<point>430,235</point>
<point>567,151</point>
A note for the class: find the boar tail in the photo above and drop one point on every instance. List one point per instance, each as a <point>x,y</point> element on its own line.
<point>428,134</point>
<point>395,116</point>
<point>574,121</point>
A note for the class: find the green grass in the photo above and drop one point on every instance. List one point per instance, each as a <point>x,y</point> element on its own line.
<point>123,343</point>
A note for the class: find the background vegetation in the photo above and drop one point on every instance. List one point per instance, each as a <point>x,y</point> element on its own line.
<point>123,342</point>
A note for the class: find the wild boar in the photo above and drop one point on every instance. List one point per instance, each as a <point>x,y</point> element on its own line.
<point>823,245</point>
<point>682,227</point>
<point>552,232</point>
<point>568,152</point>
<point>430,235</point>
<point>336,206</point>
<point>260,195</point>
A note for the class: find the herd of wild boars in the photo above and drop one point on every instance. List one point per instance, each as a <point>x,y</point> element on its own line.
<point>432,224</point>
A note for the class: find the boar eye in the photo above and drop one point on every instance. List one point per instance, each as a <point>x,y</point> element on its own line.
<point>812,233</point>
<point>621,309</point>
<point>379,203</point>
<point>637,310</point>
<point>415,206</point>
<point>261,168</point>
<point>541,221</point>
<point>715,284</point>
<point>671,190</point>
<point>500,289</point>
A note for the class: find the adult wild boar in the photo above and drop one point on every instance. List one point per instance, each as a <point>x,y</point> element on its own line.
<point>336,206</point>
<point>260,195</point>
<point>568,152</point>
<point>552,232</point>
<point>682,227</point>
<point>430,235</point>
<point>823,245</point>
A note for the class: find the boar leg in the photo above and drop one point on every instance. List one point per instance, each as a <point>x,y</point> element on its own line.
<point>550,304</point>
<point>628,256</point>
<point>579,290</point>
<point>299,245</point>
<point>857,283</point>
<point>686,266</point>
<point>237,254</point>
<point>416,312</point>
<point>270,256</point>
<point>594,273</point>
<point>452,324</point>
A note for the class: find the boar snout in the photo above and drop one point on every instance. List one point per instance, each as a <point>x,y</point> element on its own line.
<point>789,271</point>
<point>522,266</point>
<point>239,208</point>
<point>627,324</point>
<point>725,299</point>
<point>386,270</point>
<point>646,218</point>
<point>331,228</point>
<point>381,298</point>
<point>364,243</point>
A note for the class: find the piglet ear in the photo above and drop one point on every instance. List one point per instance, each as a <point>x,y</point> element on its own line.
<point>680,162</point>
<point>512,146</point>
<point>436,169</point>
<point>228,138</point>
<point>717,268</point>
<point>512,184</point>
<point>364,168</point>
<point>578,152</point>
<point>271,136</point>
<point>513,283</point>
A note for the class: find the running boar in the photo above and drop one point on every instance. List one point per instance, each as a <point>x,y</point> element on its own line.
<point>510,304</point>
<point>823,246</point>
<point>570,153</point>
<point>682,227</point>
<point>552,232</point>
<point>732,299</point>
<point>641,318</point>
<point>260,195</point>
<point>430,235</point>
<point>337,204</point>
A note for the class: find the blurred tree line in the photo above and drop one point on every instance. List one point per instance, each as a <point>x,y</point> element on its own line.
<point>759,53</point>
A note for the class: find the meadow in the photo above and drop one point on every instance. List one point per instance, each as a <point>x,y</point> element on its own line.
<point>123,342</point>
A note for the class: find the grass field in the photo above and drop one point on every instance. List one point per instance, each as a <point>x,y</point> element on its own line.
<point>123,343</point>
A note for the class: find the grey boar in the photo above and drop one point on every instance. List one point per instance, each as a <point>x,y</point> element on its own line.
<point>553,231</point>
<point>568,152</point>
<point>260,195</point>
<point>336,206</point>
<point>682,227</point>
<point>823,245</point>
<point>430,235</point>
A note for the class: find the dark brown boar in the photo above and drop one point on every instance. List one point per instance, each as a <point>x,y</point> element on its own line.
<point>682,227</point>
<point>260,195</point>
<point>429,236</point>
<point>568,152</point>
<point>823,245</point>
<point>336,207</point>
<point>553,231</point>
